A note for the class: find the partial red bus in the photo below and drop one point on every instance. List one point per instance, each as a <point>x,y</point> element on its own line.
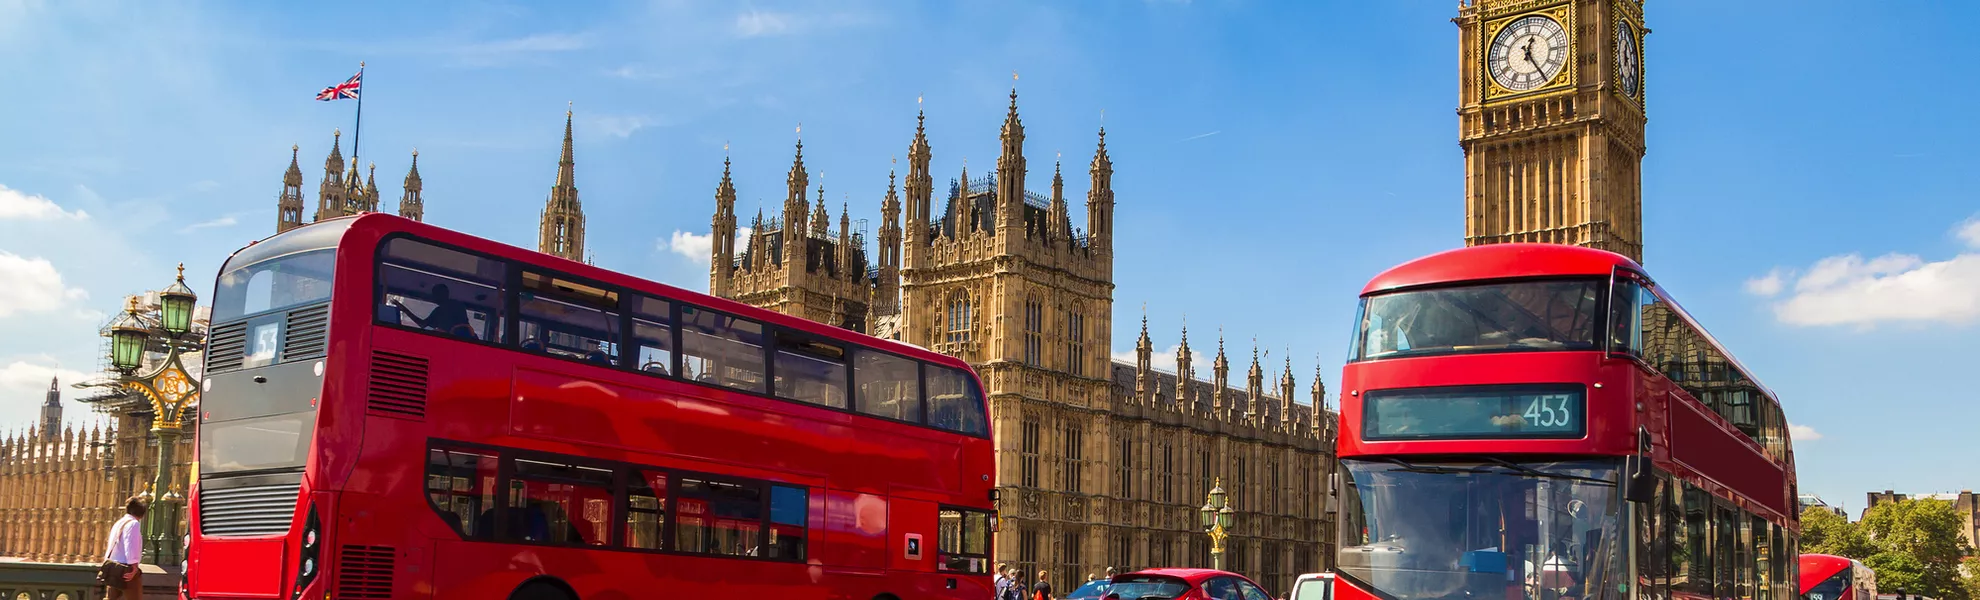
<point>395,410</point>
<point>1543,421</point>
<point>1826,577</point>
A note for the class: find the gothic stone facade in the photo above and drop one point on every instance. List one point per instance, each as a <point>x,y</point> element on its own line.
<point>1100,463</point>
<point>1551,116</point>
<point>61,489</point>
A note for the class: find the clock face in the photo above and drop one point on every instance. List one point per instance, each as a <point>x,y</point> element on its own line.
<point>1628,59</point>
<point>1528,53</point>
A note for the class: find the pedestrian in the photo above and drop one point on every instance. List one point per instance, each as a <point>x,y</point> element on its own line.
<point>119,572</point>
<point>1043,589</point>
<point>1110,573</point>
<point>1003,581</point>
<point>1014,591</point>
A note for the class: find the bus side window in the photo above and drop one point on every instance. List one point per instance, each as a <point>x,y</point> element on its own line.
<point>790,513</point>
<point>653,335</point>
<point>887,385</point>
<point>552,502</point>
<point>722,350</point>
<point>423,286</point>
<point>719,517</point>
<point>461,486</point>
<point>646,509</point>
<point>810,370</point>
<point>569,319</point>
<point>954,402</point>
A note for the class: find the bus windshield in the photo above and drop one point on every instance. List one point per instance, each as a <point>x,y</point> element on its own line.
<point>274,284</point>
<point>1526,315</point>
<point>1542,530</point>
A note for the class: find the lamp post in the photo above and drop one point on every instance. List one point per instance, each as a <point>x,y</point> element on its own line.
<point>169,389</point>
<point>1218,519</point>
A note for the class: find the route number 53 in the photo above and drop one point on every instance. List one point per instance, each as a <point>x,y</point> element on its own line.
<point>1550,411</point>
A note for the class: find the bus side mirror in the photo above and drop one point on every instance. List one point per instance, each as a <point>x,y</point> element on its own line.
<point>1639,484</point>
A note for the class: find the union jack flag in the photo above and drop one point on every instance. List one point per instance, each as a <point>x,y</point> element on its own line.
<point>347,89</point>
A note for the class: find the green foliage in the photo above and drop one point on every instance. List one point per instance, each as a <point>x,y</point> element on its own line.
<point>1972,579</point>
<point>1824,532</point>
<point>1917,548</point>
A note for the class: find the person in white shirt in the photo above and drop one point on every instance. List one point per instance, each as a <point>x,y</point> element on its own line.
<point>126,549</point>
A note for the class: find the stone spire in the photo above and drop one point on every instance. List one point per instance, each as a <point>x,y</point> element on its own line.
<point>370,203</point>
<point>1060,227</point>
<point>722,259</point>
<point>353,192</point>
<point>51,408</point>
<point>1100,200</point>
<point>1185,372</point>
<point>1144,358</point>
<point>919,193</point>
<point>330,196</point>
<point>289,204</point>
<point>1222,370</point>
<point>1254,384</point>
<point>959,204</point>
<point>562,230</point>
<point>887,289</point>
<point>759,244</point>
<point>1010,168</point>
<point>845,246</point>
<point>1286,390</point>
<point>821,220</point>
<point>1319,399</point>
<point>410,204</point>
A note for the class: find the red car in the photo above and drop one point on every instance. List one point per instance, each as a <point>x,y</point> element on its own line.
<point>1185,584</point>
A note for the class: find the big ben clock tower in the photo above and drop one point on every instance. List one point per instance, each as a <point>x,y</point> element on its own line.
<point>1551,121</point>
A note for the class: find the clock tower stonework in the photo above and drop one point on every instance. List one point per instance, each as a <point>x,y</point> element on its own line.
<point>1551,116</point>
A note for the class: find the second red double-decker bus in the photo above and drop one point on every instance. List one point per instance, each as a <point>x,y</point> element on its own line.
<point>1826,577</point>
<point>394,410</point>
<point>1543,422</point>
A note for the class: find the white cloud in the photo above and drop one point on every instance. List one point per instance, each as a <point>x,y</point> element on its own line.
<point>224,221</point>
<point>756,23</point>
<point>1851,290</point>
<point>1970,232</point>
<point>1803,433</point>
<point>1767,286</point>
<point>700,247</point>
<point>621,127</point>
<point>24,383</point>
<point>1202,135</point>
<point>15,204</point>
<point>509,51</point>
<point>30,285</point>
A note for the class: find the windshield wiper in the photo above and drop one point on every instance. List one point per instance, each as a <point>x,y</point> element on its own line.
<point>1410,467</point>
<point>1532,472</point>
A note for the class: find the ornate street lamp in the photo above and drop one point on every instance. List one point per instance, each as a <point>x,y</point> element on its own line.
<point>170,390</point>
<point>128,337</point>
<point>1218,518</point>
<point>176,306</point>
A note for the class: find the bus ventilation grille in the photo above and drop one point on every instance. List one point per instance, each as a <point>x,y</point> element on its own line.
<point>365,572</point>
<point>398,385</point>
<point>305,333</point>
<point>226,345</point>
<point>249,510</point>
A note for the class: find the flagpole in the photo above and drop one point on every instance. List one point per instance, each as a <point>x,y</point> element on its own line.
<point>358,129</point>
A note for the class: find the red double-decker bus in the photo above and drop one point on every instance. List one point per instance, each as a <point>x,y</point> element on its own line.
<point>1544,422</point>
<point>1827,577</point>
<point>395,410</point>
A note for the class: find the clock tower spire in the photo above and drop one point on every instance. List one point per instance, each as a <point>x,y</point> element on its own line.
<point>1551,117</point>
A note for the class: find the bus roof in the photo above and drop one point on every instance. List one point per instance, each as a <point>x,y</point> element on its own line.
<point>1499,261</point>
<point>387,223</point>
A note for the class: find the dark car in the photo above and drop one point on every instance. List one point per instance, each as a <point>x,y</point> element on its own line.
<point>1184,584</point>
<point>1091,590</point>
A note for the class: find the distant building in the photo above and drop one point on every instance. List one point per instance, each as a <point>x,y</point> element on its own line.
<point>1965,503</point>
<point>1810,500</point>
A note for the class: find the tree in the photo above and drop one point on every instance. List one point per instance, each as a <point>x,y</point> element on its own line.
<point>1824,532</point>
<point>1918,547</point>
<point>1972,579</point>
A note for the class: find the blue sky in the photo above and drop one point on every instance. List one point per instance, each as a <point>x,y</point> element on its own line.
<point>1807,194</point>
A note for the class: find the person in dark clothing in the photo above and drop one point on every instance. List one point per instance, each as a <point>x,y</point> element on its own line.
<point>1043,590</point>
<point>448,315</point>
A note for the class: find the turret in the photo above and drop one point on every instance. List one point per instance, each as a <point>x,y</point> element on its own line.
<point>1010,172</point>
<point>410,204</point>
<point>1100,201</point>
<point>289,204</point>
<point>330,197</point>
<point>562,230</point>
<point>795,216</point>
<point>51,408</point>
<point>1254,386</point>
<point>919,195</point>
<point>722,231</point>
<point>1185,372</point>
<point>1144,358</point>
<point>1222,370</point>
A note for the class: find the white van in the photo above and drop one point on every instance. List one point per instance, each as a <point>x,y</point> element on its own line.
<point>1313,586</point>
